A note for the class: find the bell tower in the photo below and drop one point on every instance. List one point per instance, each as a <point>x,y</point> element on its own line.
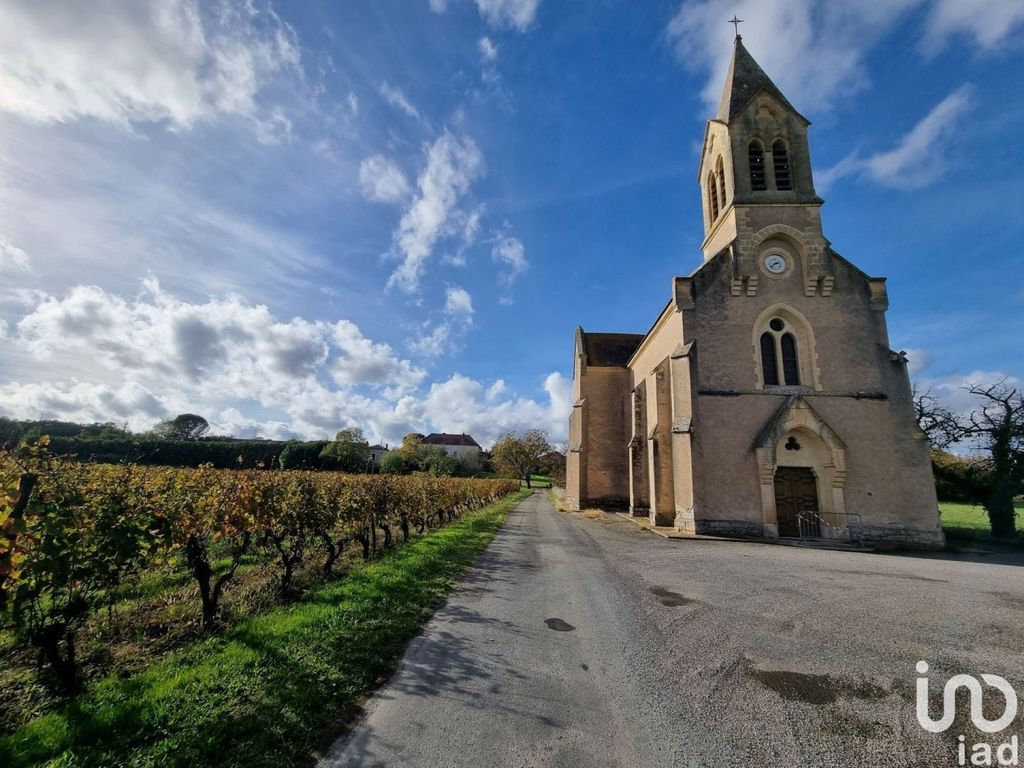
<point>757,186</point>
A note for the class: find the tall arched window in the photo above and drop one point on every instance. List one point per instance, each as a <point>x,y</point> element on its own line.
<point>713,196</point>
<point>755,153</point>
<point>790,361</point>
<point>769,361</point>
<point>780,163</point>
<point>720,173</point>
<point>780,352</point>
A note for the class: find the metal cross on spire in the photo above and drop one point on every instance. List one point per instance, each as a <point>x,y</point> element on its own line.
<point>736,23</point>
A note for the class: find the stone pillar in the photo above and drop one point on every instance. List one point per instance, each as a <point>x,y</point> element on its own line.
<point>660,449</point>
<point>682,439</point>
<point>639,483</point>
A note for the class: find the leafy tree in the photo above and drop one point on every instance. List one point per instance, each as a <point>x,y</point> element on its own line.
<point>185,426</point>
<point>519,455</point>
<point>394,463</point>
<point>961,478</point>
<point>350,451</point>
<point>997,425</point>
<point>552,464</point>
<point>436,461</point>
<point>302,455</point>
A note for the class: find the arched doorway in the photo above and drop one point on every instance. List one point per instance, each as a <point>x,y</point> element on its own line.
<point>801,468</point>
<point>796,491</point>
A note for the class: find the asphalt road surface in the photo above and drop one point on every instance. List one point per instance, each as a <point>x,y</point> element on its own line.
<point>579,640</point>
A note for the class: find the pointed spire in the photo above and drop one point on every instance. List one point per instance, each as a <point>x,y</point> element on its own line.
<point>745,80</point>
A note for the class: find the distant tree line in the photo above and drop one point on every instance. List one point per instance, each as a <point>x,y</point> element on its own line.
<point>184,442</point>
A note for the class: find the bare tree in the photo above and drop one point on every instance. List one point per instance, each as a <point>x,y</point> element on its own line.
<point>940,425</point>
<point>997,424</point>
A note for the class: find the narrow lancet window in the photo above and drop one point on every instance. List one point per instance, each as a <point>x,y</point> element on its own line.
<point>790,361</point>
<point>769,363</point>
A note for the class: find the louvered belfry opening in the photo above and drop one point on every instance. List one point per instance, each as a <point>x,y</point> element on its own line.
<point>757,177</point>
<point>780,161</point>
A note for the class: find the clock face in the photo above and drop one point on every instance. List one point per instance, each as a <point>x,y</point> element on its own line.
<point>776,264</point>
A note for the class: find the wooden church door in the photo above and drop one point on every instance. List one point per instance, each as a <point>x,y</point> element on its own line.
<point>795,491</point>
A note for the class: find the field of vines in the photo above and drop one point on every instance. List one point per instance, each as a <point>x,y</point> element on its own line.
<point>75,538</point>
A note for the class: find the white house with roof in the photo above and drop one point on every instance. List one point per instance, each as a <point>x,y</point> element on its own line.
<point>462,448</point>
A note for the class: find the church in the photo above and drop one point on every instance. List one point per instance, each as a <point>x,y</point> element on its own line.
<point>765,400</point>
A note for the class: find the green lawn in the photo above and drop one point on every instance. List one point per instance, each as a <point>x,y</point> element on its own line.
<point>961,520</point>
<point>276,687</point>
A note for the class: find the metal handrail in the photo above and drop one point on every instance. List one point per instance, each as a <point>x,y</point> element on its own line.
<point>811,524</point>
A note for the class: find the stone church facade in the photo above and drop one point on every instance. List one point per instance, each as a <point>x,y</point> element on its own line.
<point>765,400</point>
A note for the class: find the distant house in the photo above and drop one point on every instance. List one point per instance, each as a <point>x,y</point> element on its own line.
<point>376,454</point>
<point>463,448</point>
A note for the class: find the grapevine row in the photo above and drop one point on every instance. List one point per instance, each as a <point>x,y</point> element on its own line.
<point>73,534</point>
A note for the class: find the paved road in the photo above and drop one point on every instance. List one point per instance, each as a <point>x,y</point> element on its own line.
<point>582,641</point>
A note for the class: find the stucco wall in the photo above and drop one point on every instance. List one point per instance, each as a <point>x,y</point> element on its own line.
<point>606,395</point>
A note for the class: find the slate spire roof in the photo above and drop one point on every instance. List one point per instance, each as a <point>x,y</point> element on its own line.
<point>745,80</point>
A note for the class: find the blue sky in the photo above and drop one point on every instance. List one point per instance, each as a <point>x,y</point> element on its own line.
<point>293,217</point>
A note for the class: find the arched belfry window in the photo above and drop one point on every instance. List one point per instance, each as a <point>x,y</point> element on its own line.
<point>780,164</point>
<point>755,153</point>
<point>713,196</point>
<point>784,349</point>
<point>720,174</point>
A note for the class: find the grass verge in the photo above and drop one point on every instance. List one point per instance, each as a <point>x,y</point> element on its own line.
<point>963,521</point>
<point>276,687</point>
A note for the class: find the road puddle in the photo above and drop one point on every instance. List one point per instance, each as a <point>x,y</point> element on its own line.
<point>559,625</point>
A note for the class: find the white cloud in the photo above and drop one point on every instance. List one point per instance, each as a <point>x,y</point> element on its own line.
<point>123,61</point>
<point>518,14</point>
<point>987,22</point>
<point>461,404</point>
<point>396,98</point>
<point>452,165</point>
<point>826,44</point>
<point>434,342</point>
<point>86,402</point>
<point>458,301</point>
<point>921,156</point>
<point>139,360</point>
<point>225,347</point>
<point>823,55</point>
<point>441,337</point>
<point>12,258</point>
<point>509,252</point>
<point>488,50</point>
<point>382,181</point>
<point>362,361</point>
<point>918,361</point>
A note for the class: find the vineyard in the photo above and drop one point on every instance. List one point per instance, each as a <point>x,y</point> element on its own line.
<point>76,538</point>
